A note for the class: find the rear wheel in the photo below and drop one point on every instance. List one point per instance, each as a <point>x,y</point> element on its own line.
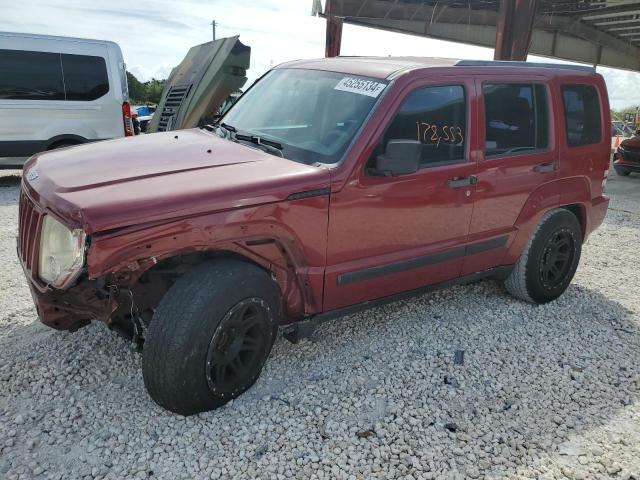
<point>210,336</point>
<point>550,259</point>
<point>63,144</point>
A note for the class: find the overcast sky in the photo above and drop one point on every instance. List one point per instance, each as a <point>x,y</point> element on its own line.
<point>155,35</point>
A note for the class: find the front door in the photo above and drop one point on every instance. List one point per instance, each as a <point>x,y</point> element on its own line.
<point>392,234</point>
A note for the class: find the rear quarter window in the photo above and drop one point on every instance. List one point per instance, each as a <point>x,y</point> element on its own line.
<point>30,75</point>
<point>582,115</point>
<point>85,77</point>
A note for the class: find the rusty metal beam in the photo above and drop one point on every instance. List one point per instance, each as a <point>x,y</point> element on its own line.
<point>334,31</point>
<point>514,28</point>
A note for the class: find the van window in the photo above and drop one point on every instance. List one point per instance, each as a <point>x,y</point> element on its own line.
<point>85,77</point>
<point>30,76</point>
<point>516,118</point>
<point>437,118</point>
<point>582,114</point>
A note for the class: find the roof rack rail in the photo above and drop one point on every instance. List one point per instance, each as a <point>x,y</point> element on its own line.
<point>504,63</point>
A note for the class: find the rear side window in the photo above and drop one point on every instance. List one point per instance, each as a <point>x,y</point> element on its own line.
<point>516,118</point>
<point>436,117</point>
<point>582,115</point>
<point>85,77</point>
<point>26,75</point>
<point>30,76</point>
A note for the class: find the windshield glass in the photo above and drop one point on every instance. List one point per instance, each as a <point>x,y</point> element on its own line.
<point>312,114</point>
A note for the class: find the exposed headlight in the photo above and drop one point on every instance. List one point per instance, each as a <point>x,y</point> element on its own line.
<point>61,252</point>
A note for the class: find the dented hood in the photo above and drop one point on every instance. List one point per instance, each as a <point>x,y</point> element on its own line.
<point>106,185</point>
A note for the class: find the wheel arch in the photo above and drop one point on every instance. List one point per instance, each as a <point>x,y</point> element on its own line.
<point>136,256</point>
<point>58,140</point>
<point>573,194</point>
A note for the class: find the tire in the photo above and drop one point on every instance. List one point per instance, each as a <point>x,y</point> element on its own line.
<point>623,172</point>
<point>64,144</point>
<point>550,259</point>
<point>187,361</point>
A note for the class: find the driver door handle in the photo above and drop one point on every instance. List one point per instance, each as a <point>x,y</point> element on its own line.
<point>545,168</point>
<point>462,182</point>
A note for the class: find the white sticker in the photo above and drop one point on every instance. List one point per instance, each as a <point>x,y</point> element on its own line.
<point>360,86</point>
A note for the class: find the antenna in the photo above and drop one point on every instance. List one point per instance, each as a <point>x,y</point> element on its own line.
<point>213,25</point>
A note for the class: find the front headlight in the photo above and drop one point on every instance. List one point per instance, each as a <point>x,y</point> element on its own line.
<point>61,252</point>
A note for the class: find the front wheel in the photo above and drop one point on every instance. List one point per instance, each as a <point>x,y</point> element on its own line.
<point>550,259</point>
<point>210,336</point>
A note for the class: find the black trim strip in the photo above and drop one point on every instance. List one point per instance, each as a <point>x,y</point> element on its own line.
<point>309,193</point>
<point>423,261</point>
<point>485,245</point>
<point>21,148</point>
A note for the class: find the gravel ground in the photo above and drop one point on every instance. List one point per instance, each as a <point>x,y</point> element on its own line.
<point>544,391</point>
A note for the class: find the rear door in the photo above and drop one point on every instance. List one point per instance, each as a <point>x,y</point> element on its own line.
<point>392,234</point>
<point>518,156</point>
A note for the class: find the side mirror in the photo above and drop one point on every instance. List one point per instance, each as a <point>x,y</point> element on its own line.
<point>401,157</point>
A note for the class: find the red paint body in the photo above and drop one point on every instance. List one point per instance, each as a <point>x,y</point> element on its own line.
<point>176,198</point>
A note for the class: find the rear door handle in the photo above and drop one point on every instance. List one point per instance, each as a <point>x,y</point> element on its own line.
<point>545,168</point>
<point>462,182</point>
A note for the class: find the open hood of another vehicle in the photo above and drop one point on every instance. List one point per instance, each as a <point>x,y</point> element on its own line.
<point>201,83</point>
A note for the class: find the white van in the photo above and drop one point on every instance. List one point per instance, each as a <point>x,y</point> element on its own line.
<point>58,91</point>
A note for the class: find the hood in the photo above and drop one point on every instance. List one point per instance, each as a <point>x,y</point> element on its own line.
<point>117,183</point>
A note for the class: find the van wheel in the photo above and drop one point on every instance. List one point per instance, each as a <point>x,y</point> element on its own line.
<point>550,259</point>
<point>210,336</point>
<point>64,144</point>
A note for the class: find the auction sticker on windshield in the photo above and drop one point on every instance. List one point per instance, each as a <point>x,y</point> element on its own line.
<point>360,86</point>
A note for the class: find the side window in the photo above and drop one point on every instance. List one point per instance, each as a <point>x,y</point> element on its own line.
<point>85,77</point>
<point>437,118</point>
<point>30,75</point>
<point>582,114</point>
<point>516,118</point>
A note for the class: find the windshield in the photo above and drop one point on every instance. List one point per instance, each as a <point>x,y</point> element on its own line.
<point>312,114</point>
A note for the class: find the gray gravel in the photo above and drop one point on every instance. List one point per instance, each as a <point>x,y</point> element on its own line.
<point>544,391</point>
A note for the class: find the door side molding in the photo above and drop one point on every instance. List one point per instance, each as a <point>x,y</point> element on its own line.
<point>422,261</point>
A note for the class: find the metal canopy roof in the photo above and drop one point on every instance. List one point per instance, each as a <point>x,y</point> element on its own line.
<point>597,32</point>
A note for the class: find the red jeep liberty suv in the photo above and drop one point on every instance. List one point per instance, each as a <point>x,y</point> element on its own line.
<point>330,186</point>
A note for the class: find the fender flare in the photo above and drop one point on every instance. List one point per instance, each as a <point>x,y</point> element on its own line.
<point>125,255</point>
<point>555,194</point>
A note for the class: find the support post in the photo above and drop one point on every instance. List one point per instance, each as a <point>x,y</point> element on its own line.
<point>513,31</point>
<point>334,32</point>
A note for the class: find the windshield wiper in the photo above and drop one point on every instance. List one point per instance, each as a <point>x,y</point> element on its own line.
<point>269,145</point>
<point>229,128</point>
<point>258,140</point>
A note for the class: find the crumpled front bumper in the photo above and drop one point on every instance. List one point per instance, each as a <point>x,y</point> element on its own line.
<point>74,307</point>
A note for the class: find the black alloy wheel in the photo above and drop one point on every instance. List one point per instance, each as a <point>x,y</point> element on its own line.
<point>557,259</point>
<point>549,260</point>
<point>237,346</point>
<point>210,335</point>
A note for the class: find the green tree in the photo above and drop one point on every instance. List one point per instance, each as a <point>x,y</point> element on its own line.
<point>144,92</point>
